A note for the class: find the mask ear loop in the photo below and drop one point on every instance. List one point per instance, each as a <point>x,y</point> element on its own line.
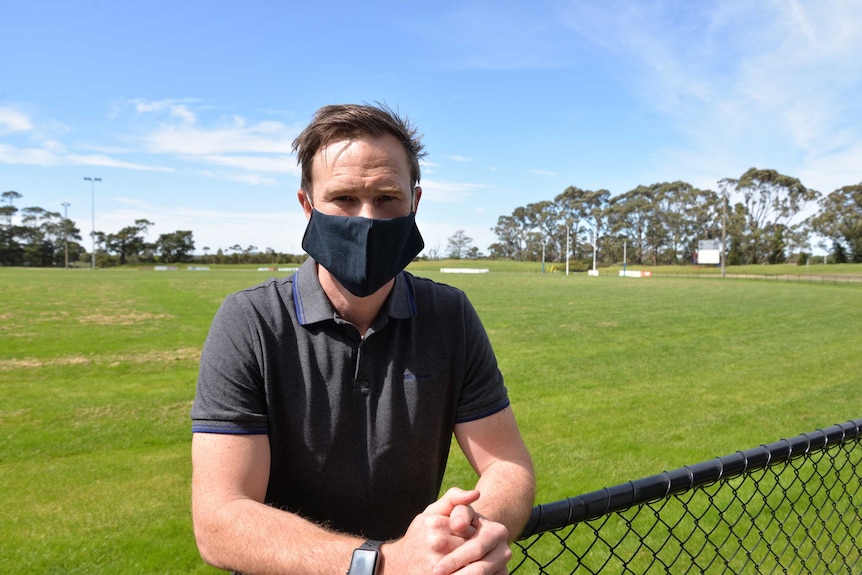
<point>413,199</point>
<point>308,199</point>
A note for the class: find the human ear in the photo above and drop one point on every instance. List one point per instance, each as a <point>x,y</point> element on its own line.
<point>305,202</point>
<point>417,194</point>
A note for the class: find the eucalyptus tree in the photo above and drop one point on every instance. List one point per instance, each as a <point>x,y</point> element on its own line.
<point>594,217</point>
<point>9,209</point>
<point>672,210</point>
<point>11,252</point>
<point>514,231</point>
<point>522,233</point>
<point>772,201</point>
<point>521,219</point>
<point>459,245</point>
<point>840,222</point>
<point>71,240</point>
<point>176,246</point>
<point>510,243</point>
<point>129,241</point>
<point>631,215</point>
<point>684,215</point>
<point>43,236</point>
<point>569,203</point>
<point>704,209</point>
<point>584,213</point>
<point>542,220</point>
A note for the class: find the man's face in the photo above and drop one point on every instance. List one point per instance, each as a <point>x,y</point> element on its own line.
<point>368,177</point>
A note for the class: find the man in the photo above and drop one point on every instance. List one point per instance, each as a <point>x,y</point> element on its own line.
<point>326,401</point>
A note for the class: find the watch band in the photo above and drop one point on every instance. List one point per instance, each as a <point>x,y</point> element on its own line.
<point>366,559</point>
<point>371,545</point>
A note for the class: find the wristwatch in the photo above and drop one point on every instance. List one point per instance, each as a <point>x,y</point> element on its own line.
<point>366,559</point>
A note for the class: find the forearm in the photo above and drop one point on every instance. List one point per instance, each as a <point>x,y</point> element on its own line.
<point>507,483</point>
<point>508,490</point>
<point>256,539</point>
<point>235,530</point>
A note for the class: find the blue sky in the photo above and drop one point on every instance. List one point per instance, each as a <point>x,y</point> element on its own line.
<point>187,110</point>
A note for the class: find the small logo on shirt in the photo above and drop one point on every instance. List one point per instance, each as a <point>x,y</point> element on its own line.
<point>417,377</point>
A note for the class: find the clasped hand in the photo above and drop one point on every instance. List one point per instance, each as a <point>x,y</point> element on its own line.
<point>451,538</point>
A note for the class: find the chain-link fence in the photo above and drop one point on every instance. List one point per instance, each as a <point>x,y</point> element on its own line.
<point>793,506</point>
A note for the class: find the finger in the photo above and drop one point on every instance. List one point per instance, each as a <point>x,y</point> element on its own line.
<point>492,562</point>
<point>452,499</point>
<point>463,520</point>
<point>488,550</point>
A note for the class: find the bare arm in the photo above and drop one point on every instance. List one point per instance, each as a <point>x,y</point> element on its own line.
<point>235,530</point>
<point>504,495</point>
<point>507,484</point>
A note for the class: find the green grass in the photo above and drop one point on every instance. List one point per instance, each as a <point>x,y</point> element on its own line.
<point>619,378</point>
<point>612,379</point>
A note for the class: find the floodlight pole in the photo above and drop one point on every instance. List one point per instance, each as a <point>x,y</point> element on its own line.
<point>66,231</point>
<point>543,254</point>
<point>93,217</point>
<point>723,234</point>
<point>567,248</point>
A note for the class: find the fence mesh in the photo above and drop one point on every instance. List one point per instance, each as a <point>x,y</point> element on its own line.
<point>792,506</point>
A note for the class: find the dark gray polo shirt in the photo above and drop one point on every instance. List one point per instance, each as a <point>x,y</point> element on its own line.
<point>359,429</point>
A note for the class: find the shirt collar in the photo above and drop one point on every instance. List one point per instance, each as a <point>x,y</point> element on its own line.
<point>313,306</point>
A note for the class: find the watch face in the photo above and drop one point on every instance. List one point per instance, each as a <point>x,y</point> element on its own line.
<point>364,562</point>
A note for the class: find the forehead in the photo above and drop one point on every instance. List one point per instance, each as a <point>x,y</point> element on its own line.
<point>361,156</point>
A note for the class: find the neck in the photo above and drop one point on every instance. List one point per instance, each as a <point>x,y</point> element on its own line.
<point>360,311</point>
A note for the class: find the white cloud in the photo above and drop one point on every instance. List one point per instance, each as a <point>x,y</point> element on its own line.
<point>245,150</point>
<point>12,120</point>
<point>27,156</point>
<point>212,228</point>
<point>234,143</point>
<point>448,192</point>
<point>172,107</point>
<point>108,162</point>
<point>543,172</point>
<point>275,164</point>
<point>837,169</point>
<point>436,235</point>
<point>133,202</point>
<point>52,155</point>
<point>773,84</point>
<point>250,179</point>
<point>263,137</point>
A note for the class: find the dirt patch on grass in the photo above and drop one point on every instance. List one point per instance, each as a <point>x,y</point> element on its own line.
<point>133,318</point>
<point>29,363</point>
<point>184,354</point>
<point>187,353</point>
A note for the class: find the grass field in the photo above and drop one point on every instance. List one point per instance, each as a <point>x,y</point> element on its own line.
<point>611,378</point>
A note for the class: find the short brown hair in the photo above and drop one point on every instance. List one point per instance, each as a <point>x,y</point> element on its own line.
<point>337,122</point>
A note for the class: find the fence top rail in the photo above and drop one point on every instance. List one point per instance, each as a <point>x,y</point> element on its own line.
<point>800,277</point>
<point>558,514</point>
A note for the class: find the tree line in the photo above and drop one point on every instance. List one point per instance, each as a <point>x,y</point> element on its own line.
<point>45,238</point>
<point>758,216</point>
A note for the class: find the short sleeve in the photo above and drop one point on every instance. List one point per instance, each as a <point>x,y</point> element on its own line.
<point>230,396</point>
<point>483,392</point>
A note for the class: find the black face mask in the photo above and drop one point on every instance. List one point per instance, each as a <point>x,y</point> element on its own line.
<point>361,253</point>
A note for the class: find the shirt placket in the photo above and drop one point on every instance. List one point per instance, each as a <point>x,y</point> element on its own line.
<point>362,371</point>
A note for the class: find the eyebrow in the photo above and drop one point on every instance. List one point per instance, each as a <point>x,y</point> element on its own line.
<point>393,190</point>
